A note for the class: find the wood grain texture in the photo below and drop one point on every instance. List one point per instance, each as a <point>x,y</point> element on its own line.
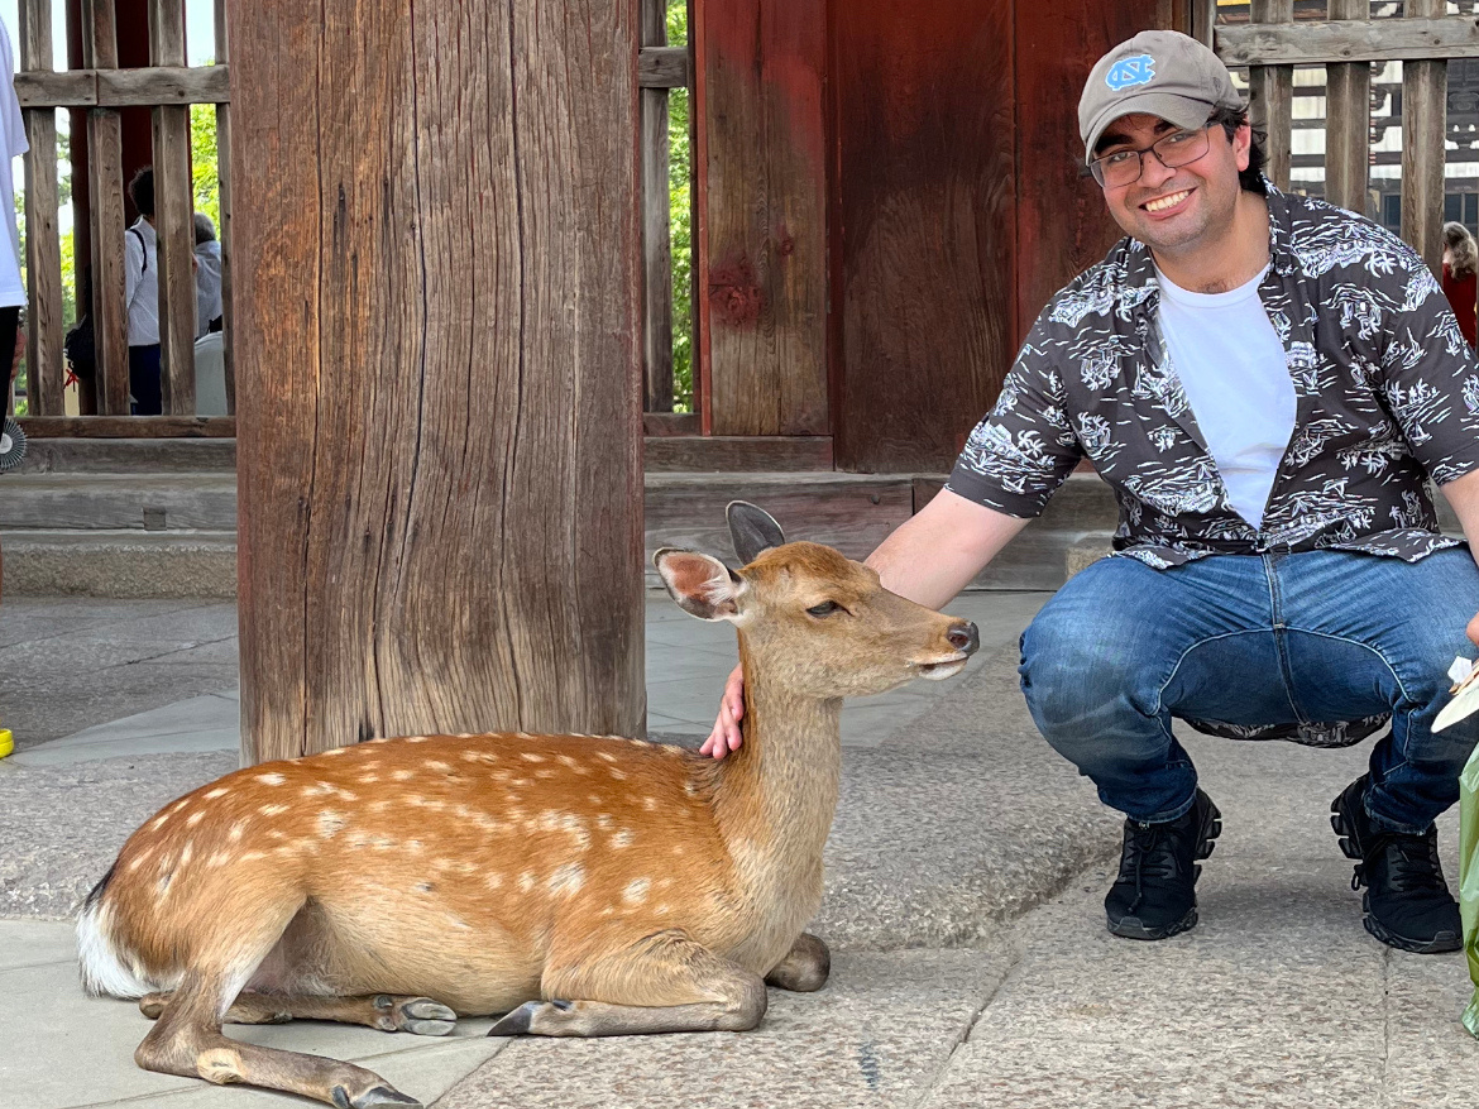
<point>110,320</point>
<point>438,354</point>
<point>749,454</point>
<point>663,67</point>
<point>925,227</point>
<point>121,88</point>
<point>1063,225</point>
<point>174,223</point>
<point>1348,121</point>
<point>1424,121</point>
<point>1371,40</point>
<point>44,374</point>
<point>1271,95</point>
<point>129,427</point>
<point>223,197</point>
<point>763,245</point>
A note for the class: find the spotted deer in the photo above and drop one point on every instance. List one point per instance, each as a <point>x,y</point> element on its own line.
<point>573,885</point>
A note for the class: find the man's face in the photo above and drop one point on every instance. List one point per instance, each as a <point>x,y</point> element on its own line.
<point>1173,209</point>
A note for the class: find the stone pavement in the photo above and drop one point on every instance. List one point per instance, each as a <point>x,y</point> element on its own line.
<point>966,870</point>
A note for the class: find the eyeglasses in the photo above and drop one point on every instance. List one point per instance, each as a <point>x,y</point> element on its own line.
<point>1123,167</point>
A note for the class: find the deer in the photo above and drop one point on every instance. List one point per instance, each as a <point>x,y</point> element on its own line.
<point>569,885</point>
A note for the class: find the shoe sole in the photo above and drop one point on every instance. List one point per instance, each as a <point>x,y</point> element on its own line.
<point>1130,928</point>
<point>1346,836</point>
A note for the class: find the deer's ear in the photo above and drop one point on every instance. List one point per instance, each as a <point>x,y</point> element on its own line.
<point>702,586</point>
<point>752,530</point>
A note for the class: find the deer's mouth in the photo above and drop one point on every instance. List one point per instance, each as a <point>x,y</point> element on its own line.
<point>938,671</point>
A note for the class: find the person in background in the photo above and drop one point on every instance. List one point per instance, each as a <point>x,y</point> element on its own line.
<point>141,295</point>
<point>1460,267</point>
<point>207,276</point>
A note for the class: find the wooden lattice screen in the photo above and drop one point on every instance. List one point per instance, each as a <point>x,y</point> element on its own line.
<point>1271,44</point>
<point>169,87</point>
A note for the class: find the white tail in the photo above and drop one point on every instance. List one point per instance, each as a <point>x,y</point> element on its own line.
<point>581,886</point>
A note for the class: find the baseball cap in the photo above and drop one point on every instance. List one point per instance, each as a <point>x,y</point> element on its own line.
<point>1160,73</point>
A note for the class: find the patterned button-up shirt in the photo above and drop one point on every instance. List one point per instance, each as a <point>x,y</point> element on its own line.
<point>1387,394</point>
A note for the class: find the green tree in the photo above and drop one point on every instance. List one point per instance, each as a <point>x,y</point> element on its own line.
<point>680,174</point>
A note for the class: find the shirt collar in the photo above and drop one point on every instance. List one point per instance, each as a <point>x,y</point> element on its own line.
<point>1139,266</point>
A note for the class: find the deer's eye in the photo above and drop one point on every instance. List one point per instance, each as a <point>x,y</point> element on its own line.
<point>826,608</point>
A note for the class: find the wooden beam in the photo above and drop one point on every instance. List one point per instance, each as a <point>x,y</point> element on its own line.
<point>1424,121</point>
<point>174,219</point>
<point>129,427</point>
<point>761,454</point>
<point>657,254</point>
<point>1203,21</point>
<point>662,67</point>
<point>105,190</point>
<point>124,88</point>
<point>44,374</point>
<point>393,319</point>
<point>1348,121</point>
<point>223,197</point>
<point>1357,40</point>
<point>1271,89</point>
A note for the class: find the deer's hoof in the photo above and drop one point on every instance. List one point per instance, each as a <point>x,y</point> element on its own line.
<point>517,1022</point>
<point>420,1016</point>
<point>373,1099</point>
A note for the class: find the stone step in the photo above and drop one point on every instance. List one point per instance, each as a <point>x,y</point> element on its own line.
<point>121,563</point>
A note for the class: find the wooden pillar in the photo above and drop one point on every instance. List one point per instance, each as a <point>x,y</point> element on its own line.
<point>1424,121</point>
<point>1271,95</point>
<point>174,219</point>
<point>1348,121</point>
<point>439,372</point>
<point>43,241</point>
<point>105,192</point>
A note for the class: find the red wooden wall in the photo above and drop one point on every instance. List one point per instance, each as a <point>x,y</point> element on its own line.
<point>943,136</point>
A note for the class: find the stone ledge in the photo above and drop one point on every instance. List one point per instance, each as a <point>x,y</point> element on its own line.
<point>119,563</point>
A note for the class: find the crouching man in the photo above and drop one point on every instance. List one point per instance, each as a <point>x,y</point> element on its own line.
<point>1267,382</point>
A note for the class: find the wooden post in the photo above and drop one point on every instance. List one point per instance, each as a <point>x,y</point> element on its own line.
<point>657,269</point>
<point>439,352</point>
<point>174,219</point>
<point>44,376</point>
<point>105,189</point>
<point>223,181</point>
<point>1271,94</point>
<point>1348,121</point>
<point>1424,120</point>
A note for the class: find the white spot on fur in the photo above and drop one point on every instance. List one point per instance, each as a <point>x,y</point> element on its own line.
<point>565,760</point>
<point>622,839</point>
<point>403,775</point>
<point>493,880</point>
<point>218,860</point>
<point>567,879</point>
<point>335,751</point>
<point>368,779</point>
<point>603,821</point>
<point>330,823</point>
<point>271,779</point>
<point>649,803</point>
<point>219,792</point>
<point>187,854</point>
<point>546,773</point>
<point>636,892</point>
<point>530,756</point>
<point>272,810</point>
<point>639,743</point>
<point>618,775</point>
<point>415,739</point>
<point>607,755</point>
<point>157,823</point>
<point>526,881</point>
<point>194,819</point>
<point>237,830</point>
<point>439,765</point>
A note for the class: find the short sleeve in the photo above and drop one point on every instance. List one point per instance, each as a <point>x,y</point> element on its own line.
<point>1430,381</point>
<point>1023,450</point>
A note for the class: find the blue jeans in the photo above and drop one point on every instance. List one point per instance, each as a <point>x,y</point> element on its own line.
<point>1318,636</point>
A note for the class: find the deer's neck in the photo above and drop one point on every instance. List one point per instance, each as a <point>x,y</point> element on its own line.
<point>779,790</point>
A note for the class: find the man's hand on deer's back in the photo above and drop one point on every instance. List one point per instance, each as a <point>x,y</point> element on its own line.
<point>726,734</point>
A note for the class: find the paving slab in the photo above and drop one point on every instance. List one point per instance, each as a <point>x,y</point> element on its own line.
<point>874,1036</point>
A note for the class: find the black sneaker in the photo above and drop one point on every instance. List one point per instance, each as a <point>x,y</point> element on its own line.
<point>1407,904</point>
<point>1155,893</point>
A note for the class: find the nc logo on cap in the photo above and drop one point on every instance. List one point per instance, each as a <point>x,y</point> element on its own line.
<point>1128,72</point>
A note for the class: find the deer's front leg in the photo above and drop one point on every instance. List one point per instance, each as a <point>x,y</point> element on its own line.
<point>662,983</point>
<point>805,967</point>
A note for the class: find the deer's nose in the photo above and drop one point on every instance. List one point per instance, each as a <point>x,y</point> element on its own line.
<point>964,637</point>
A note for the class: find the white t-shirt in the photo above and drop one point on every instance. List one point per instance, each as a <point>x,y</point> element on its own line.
<point>1236,377</point>
<point>141,283</point>
<point>12,145</point>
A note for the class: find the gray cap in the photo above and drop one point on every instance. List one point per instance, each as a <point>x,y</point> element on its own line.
<point>1160,73</point>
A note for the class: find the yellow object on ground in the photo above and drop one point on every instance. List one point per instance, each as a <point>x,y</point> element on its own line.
<point>7,742</point>
<point>1468,869</point>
